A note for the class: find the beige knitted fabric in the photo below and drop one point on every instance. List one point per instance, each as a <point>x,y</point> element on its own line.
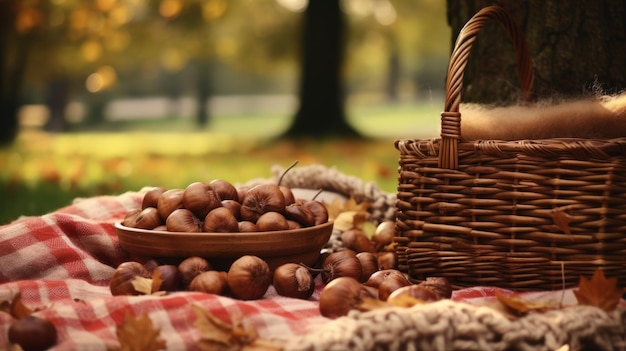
<point>448,325</point>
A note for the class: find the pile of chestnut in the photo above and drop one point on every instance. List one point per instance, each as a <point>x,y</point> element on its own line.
<point>360,268</point>
<point>248,277</point>
<point>220,207</point>
<point>349,278</point>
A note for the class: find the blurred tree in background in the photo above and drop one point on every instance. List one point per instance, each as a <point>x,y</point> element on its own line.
<point>321,111</point>
<point>17,24</point>
<point>578,48</point>
<point>63,52</point>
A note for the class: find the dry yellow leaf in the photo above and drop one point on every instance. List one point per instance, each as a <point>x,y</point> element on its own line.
<point>344,221</point>
<point>138,334</point>
<point>338,206</point>
<point>156,281</point>
<point>217,335</point>
<point>142,285</point>
<point>518,307</point>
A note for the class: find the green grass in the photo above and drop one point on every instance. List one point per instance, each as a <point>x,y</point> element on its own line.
<point>44,172</point>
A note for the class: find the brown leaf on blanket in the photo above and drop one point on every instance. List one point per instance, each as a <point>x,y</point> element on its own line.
<point>138,334</point>
<point>599,291</point>
<point>15,307</point>
<point>517,307</point>
<point>18,309</point>
<point>221,336</point>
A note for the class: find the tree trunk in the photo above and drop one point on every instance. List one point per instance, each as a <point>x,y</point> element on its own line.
<point>578,48</point>
<point>393,71</point>
<point>57,99</point>
<point>203,89</point>
<point>321,111</point>
<point>13,52</point>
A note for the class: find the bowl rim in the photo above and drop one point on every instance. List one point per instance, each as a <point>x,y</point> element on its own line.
<point>146,242</point>
<point>120,226</point>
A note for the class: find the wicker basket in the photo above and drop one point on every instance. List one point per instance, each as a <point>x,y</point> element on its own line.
<point>524,214</point>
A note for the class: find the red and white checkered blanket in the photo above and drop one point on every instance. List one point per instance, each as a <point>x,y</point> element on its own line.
<point>61,264</point>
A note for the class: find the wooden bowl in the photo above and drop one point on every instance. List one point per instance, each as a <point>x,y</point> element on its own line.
<point>221,249</point>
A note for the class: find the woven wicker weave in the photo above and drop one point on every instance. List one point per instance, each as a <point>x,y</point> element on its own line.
<point>524,214</point>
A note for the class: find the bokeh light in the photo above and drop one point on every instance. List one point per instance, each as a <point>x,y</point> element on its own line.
<point>104,77</point>
<point>170,8</point>
<point>213,9</point>
<point>294,5</point>
<point>91,50</point>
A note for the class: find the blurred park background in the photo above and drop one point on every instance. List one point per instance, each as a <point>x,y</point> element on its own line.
<point>113,95</point>
<point>105,96</point>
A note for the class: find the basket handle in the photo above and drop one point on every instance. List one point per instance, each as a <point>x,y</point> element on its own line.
<point>451,117</point>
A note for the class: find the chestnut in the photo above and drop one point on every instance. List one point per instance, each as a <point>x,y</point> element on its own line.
<point>384,234</point>
<point>440,286</point>
<point>148,218</point>
<point>33,333</point>
<point>379,276</point>
<point>342,263</point>
<point>183,220</point>
<point>247,227</point>
<point>151,198</point>
<point>121,281</point>
<point>169,201</point>
<point>224,189</point>
<point>271,221</point>
<point>294,224</point>
<point>387,260</point>
<point>299,213</point>
<point>249,277</point>
<point>388,286</point>
<point>293,280</point>
<point>354,239</point>
<point>131,217</point>
<point>241,192</point>
<point>192,266</point>
<point>342,295</point>
<point>369,265</point>
<point>319,210</point>
<point>171,279</point>
<point>200,199</point>
<point>234,207</point>
<point>260,199</point>
<point>151,265</point>
<point>210,282</point>
<point>289,197</point>
<point>220,220</point>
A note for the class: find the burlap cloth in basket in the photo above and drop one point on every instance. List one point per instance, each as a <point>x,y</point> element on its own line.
<point>445,325</point>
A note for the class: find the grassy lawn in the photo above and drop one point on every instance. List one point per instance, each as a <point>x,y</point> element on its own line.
<point>43,172</point>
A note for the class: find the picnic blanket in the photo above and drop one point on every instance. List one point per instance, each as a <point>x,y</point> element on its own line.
<point>61,264</point>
